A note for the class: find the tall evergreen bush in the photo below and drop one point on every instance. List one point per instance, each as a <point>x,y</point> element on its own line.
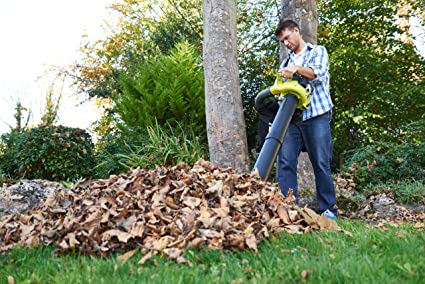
<point>167,90</point>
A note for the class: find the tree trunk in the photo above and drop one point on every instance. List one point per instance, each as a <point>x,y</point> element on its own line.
<point>227,139</point>
<point>304,12</point>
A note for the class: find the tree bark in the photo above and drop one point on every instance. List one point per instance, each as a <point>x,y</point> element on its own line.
<point>227,138</point>
<point>304,12</point>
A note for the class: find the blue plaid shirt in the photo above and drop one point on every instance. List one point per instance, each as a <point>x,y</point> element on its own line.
<point>316,58</point>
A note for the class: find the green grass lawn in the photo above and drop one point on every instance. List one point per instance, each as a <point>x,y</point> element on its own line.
<point>394,254</point>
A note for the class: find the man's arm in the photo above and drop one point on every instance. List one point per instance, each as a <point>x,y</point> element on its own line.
<point>316,68</point>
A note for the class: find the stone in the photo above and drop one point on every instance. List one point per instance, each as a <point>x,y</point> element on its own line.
<point>26,195</point>
<point>305,173</point>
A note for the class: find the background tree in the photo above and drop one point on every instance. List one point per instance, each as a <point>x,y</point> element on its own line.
<point>21,122</point>
<point>305,14</point>
<point>404,21</point>
<point>258,56</point>
<point>142,30</point>
<point>224,111</point>
<point>51,106</point>
<point>377,80</point>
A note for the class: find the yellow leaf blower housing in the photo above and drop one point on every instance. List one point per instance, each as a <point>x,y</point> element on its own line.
<point>290,86</point>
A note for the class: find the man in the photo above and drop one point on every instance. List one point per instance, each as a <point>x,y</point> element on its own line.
<point>311,129</point>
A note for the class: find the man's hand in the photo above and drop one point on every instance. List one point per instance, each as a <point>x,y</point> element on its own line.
<point>289,71</point>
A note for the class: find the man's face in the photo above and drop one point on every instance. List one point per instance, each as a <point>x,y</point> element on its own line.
<point>290,38</point>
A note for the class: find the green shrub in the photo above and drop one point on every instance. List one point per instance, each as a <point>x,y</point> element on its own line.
<point>111,147</point>
<point>383,162</point>
<point>406,191</point>
<point>165,147</point>
<point>151,109</point>
<point>9,155</point>
<point>52,152</point>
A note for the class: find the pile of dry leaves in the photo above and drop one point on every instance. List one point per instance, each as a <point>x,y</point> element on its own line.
<point>163,210</point>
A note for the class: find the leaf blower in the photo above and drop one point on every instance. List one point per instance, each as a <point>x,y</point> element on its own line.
<point>292,94</point>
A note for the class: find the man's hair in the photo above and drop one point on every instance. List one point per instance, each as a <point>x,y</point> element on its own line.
<point>285,24</point>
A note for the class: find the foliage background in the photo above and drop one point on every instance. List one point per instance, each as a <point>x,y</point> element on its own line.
<point>148,69</point>
<point>377,80</point>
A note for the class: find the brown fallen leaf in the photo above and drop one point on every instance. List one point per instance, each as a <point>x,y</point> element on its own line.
<point>401,234</point>
<point>293,215</point>
<point>283,214</point>
<point>216,243</point>
<point>305,273</point>
<point>93,218</point>
<point>215,186</point>
<point>236,240</point>
<point>126,256</point>
<point>122,236</point>
<point>205,216</point>
<point>309,216</point>
<point>327,224</point>
<point>419,225</point>
<point>145,258</point>
<point>207,233</point>
<point>302,248</point>
<point>72,240</point>
<point>126,223</point>
<point>32,241</point>
<point>292,229</point>
<point>137,229</point>
<point>197,242</point>
<point>26,230</point>
<point>162,243</point>
<point>273,223</point>
<point>347,233</point>
<point>173,252</point>
<point>7,247</point>
<point>191,202</point>
<point>64,245</point>
<point>251,242</point>
<point>275,200</point>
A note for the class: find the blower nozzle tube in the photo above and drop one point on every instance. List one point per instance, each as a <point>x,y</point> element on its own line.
<point>274,138</point>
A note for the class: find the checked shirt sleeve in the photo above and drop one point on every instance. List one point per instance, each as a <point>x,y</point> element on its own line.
<point>319,62</point>
<point>321,101</point>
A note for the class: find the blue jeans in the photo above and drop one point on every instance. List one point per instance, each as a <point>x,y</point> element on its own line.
<point>315,134</point>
